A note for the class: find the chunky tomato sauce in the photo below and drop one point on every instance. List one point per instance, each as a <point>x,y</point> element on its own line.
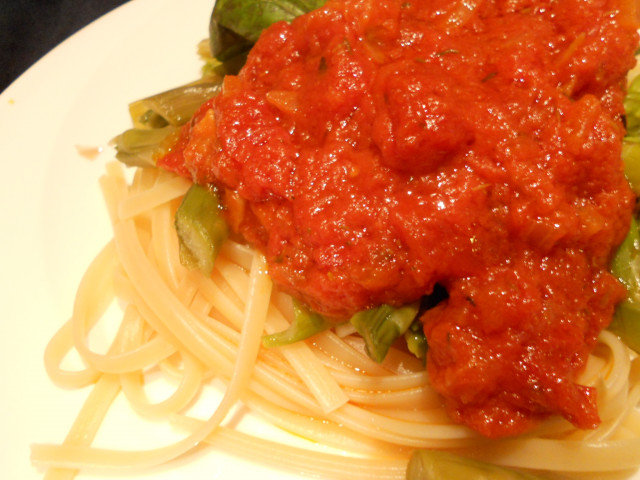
<point>375,148</point>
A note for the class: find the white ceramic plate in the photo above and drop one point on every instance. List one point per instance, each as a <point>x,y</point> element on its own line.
<point>54,221</point>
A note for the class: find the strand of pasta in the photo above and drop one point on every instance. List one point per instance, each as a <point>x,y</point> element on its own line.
<point>87,422</point>
<point>165,246</point>
<point>401,432</point>
<point>319,429</point>
<point>56,350</point>
<point>238,253</point>
<point>72,456</point>
<point>150,352</point>
<point>93,286</point>
<point>184,394</point>
<point>388,382</point>
<point>98,275</point>
<point>434,415</point>
<point>148,199</point>
<point>300,459</point>
<point>626,411</point>
<point>401,399</point>
<point>97,404</point>
<point>228,276</point>
<point>619,365</point>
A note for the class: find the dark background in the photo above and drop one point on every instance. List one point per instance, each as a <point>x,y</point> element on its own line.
<point>30,28</point>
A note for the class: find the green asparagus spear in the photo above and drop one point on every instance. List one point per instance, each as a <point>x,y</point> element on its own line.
<point>416,339</point>
<point>173,107</point>
<point>138,147</point>
<point>201,228</point>
<point>306,323</point>
<point>626,266</point>
<point>380,327</point>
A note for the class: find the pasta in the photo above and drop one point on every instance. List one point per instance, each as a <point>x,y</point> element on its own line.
<point>196,330</point>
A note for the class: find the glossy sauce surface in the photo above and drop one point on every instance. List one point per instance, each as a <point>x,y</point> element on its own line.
<point>372,149</point>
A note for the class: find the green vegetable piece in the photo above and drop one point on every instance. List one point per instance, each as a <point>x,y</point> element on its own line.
<point>631,158</point>
<point>631,145</point>
<point>626,324</point>
<point>201,228</point>
<point>157,117</point>
<point>381,326</point>
<point>416,340</point>
<point>305,324</point>
<point>626,266</point>
<point>632,108</point>
<point>247,18</point>
<point>224,43</point>
<point>438,465</point>
<point>235,25</point>
<point>173,107</point>
<point>137,147</point>
<point>626,263</point>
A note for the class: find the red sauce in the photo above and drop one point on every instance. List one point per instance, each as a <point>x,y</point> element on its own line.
<point>374,148</point>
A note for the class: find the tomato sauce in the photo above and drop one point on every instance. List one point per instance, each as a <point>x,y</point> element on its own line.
<point>375,148</point>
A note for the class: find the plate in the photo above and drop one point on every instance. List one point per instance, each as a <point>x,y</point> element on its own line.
<point>70,103</point>
<point>73,101</point>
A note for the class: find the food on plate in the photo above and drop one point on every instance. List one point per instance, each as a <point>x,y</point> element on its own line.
<point>373,156</point>
<point>366,188</point>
